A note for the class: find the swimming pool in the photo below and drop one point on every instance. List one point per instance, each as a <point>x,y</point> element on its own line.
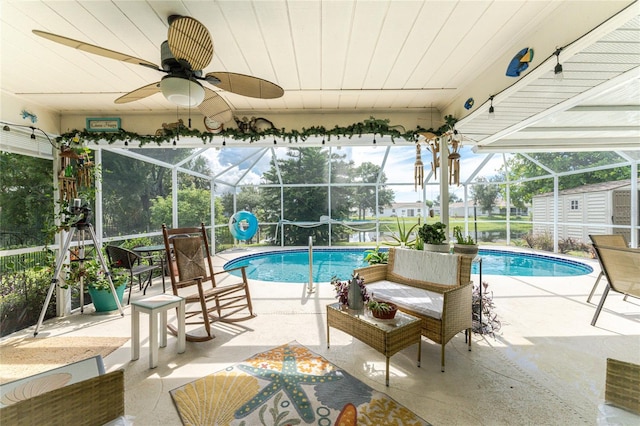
<point>293,265</point>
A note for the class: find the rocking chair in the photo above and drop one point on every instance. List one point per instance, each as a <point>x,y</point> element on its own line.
<point>212,297</point>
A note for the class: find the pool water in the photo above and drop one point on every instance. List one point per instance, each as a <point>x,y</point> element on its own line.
<point>293,265</point>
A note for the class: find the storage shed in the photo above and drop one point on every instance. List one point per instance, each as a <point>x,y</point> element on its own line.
<point>588,209</point>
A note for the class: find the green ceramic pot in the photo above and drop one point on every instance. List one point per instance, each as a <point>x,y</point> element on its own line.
<point>103,300</point>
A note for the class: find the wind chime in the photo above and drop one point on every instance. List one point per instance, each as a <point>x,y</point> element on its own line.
<point>434,146</point>
<point>454,162</point>
<point>453,158</point>
<point>418,170</point>
<point>70,177</point>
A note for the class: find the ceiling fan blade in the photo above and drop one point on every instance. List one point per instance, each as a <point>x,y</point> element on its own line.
<point>246,85</point>
<point>215,107</point>
<point>190,40</point>
<point>96,50</point>
<point>140,93</point>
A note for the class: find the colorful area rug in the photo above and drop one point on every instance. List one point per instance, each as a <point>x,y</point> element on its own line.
<point>287,385</point>
<point>23,357</point>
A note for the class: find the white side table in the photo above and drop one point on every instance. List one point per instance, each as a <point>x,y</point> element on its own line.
<point>156,306</point>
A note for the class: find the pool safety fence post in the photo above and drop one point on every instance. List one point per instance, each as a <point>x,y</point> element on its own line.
<point>310,288</point>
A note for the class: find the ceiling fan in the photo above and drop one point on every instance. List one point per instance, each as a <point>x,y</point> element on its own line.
<point>186,52</point>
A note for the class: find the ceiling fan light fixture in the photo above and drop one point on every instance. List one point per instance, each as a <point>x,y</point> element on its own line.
<point>182,91</point>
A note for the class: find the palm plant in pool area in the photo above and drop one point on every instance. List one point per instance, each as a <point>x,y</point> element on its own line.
<point>403,237</point>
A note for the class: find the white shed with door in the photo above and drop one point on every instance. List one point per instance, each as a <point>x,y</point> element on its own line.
<point>589,209</point>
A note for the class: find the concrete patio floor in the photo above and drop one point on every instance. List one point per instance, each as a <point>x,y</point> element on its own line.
<point>546,366</point>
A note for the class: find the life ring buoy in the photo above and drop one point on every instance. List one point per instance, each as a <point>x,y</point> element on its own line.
<point>243,233</point>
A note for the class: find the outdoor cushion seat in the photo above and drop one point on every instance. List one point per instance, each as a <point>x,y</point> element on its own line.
<point>436,287</point>
<point>418,300</point>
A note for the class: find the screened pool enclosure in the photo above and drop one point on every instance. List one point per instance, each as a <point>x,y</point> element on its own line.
<point>338,191</point>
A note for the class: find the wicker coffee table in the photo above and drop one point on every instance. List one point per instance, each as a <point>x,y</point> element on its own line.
<point>385,336</point>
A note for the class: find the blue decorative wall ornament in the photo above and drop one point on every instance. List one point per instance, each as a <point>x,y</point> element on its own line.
<point>520,62</point>
<point>469,103</point>
<point>29,115</point>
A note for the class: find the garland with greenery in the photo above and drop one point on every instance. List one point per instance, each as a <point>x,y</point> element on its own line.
<point>370,126</point>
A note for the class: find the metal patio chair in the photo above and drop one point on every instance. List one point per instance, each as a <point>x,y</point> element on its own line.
<point>621,267</point>
<point>611,240</point>
<point>122,258</point>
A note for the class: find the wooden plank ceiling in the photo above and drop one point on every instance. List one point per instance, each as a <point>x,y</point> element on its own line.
<point>333,56</point>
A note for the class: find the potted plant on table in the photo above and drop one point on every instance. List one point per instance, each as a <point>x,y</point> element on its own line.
<point>382,310</point>
<point>434,237</point>
<point>464,245</point>
<point>348,295</point>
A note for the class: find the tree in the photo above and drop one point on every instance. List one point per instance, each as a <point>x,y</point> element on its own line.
<point>520,167</point>
<point>485,193</point>
<point>129,187</point>
<point>193,208</point>
<point>453,198</point>
<point>26,202</point>
<point>365,195</point>
<point>249,198</point>
<point>308,201</point>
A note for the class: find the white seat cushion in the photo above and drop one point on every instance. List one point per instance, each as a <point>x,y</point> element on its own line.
<point>420,301</point>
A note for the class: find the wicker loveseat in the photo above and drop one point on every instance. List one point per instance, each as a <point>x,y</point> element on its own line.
<point>434,287</point>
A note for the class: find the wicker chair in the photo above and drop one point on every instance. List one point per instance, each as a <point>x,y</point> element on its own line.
<point>131,261</point>
<point>94,401</point>
<point>610,240</point>
<point>621,267</point>
<point>457,303</point>
<point>622,386</point>
<point>212,297</point>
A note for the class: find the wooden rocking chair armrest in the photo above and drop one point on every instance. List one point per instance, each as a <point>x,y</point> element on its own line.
<point>226,271</point>
<point>186,283</point>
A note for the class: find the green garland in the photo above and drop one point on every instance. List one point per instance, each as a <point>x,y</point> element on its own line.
<point>369,126</point>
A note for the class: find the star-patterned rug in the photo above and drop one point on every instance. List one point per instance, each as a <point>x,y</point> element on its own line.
<point>287,385</point>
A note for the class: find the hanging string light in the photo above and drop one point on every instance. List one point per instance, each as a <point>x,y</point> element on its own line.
<point>492,111</point>
<point>557,71</point>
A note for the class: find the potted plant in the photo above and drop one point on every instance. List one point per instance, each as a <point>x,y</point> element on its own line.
<point>342,290</point>
<point>97,284</point>
<point>376,256</point>
<point>434,237</point>
<point>464,245</point>
<point>382,310</point>
<point>403,237</point>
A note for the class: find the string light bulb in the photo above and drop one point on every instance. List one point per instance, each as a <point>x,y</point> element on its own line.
<point>33,132</point>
